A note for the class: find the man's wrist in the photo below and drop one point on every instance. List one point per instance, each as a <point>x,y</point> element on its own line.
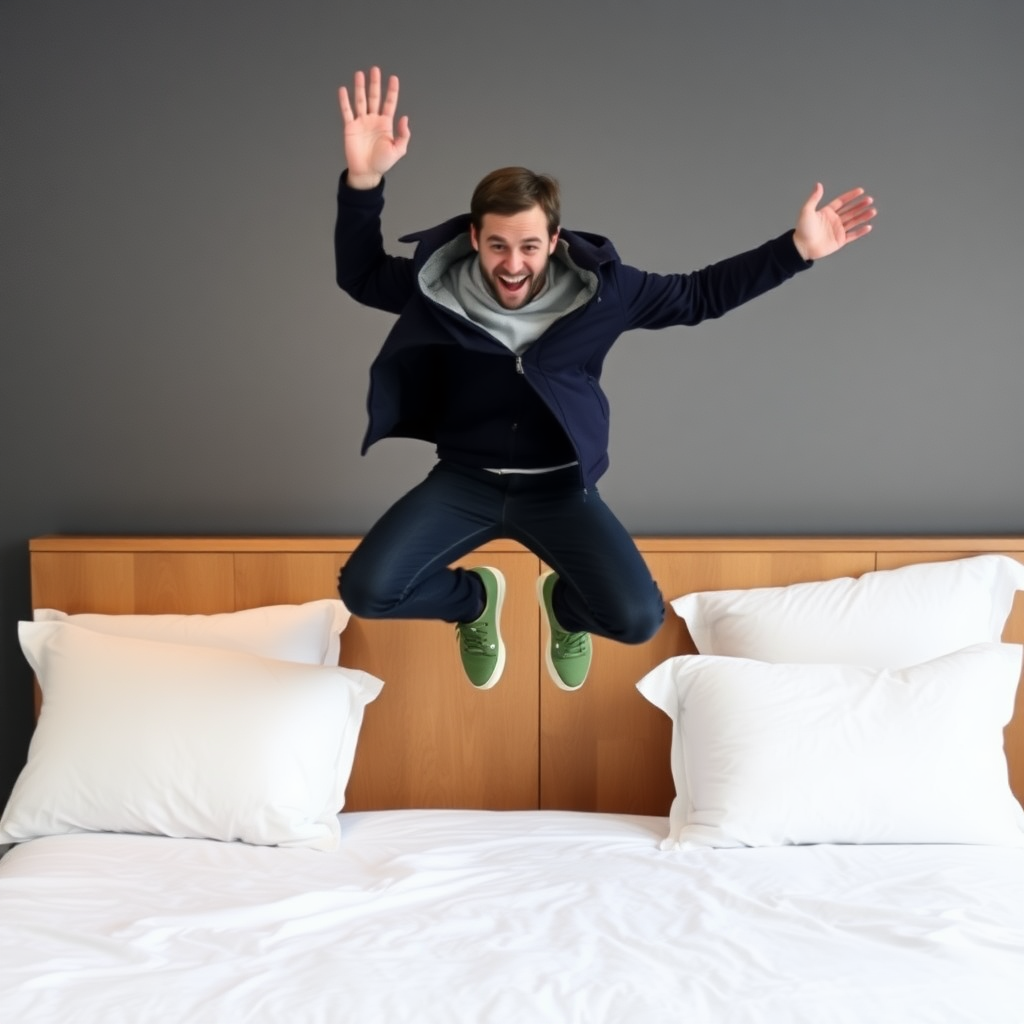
<point>801,248</point>
<point>363,182</point>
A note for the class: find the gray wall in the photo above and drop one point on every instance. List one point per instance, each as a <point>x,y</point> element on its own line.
<point>177,359</point>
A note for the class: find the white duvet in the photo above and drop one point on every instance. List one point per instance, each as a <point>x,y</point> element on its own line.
<point>507,918</point>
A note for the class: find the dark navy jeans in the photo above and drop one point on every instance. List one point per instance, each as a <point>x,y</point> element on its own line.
<point>400,570</point>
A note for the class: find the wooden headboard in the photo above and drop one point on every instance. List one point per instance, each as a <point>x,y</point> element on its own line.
<point>431,740</point>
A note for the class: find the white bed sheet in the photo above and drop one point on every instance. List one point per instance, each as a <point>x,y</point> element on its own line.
<point>517,917</point>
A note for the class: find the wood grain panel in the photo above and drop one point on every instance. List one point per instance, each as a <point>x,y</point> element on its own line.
<point>183,583</point>
<point>430,739</point>
<point>84,581</point>
<point>279,577</point>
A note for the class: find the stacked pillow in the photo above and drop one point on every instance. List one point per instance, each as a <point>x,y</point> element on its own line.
<point>238,726</point>
<point>309,633</point>
<point>855,710</point>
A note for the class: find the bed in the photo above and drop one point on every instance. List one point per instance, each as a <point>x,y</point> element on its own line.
<point>797,804</point>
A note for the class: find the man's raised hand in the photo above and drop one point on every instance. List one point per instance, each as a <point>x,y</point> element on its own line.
<point>820,232</point>
<point>372,144</point>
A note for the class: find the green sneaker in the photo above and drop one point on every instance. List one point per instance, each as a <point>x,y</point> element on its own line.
<point>568,655</point>
<point>480,643</point>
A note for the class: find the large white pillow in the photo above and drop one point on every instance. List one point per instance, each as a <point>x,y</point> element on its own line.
<point>774,754</point>
<point>309,633</point>
<point>887,618</point>
<point>147,737</point>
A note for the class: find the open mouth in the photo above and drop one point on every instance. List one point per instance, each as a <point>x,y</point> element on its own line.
<point>514,284</point>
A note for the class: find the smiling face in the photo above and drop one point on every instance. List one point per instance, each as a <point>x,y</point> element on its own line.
<point>514,252</point>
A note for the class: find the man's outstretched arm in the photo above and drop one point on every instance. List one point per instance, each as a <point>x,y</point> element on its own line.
<point>372,146</point>
<point>665,300</point>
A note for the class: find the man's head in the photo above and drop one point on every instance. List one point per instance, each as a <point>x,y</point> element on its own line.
<point>515,218</point>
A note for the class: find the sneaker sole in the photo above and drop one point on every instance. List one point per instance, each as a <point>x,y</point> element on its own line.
<point>548,660</point>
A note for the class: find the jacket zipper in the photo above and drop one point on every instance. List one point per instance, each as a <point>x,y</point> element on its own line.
<point>519,359</point>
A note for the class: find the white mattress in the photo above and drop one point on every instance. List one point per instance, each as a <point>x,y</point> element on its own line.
<point>518,917</point>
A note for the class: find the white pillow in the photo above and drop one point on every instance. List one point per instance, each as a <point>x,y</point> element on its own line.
<point>887,618</point>
<point>141,736</point>
<point>309,633</point>
<point>775,754</point>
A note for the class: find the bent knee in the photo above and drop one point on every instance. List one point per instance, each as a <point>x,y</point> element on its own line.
<point>638,621</point>
<point>643,625</point>
<point>362,596</point>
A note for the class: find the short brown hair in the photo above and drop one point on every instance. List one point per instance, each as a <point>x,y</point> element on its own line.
<point>511,190</point>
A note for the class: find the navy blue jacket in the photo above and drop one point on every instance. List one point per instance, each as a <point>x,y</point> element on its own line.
<point>563,367</point>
